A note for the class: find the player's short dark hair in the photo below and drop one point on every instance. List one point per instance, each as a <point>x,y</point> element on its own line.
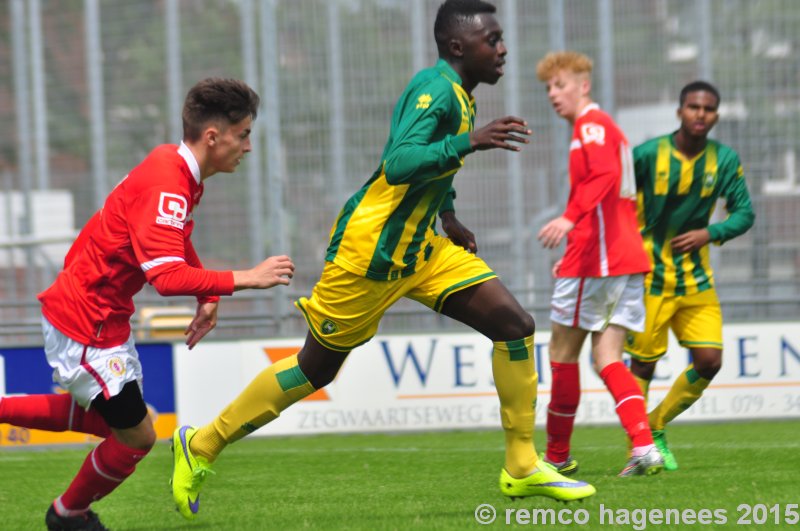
<point>452,15</point>
<point>698,86</point>
<point>227,101</point>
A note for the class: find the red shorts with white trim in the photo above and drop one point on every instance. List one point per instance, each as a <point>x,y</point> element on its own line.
<point>592,304</point>
<point>87,372</point>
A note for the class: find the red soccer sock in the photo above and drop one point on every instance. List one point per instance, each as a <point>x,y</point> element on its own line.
<point>51,413</point>
<point>629,402</point>
<point>565,396</point>
<point>103,470</point>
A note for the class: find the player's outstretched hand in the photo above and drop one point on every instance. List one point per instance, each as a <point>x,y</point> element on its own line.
<point>204,322</point>
<point>274,271</point>
<point>556,267</point>
<point>552,233</point>
<point>499,133</point>
<point>458,233</point>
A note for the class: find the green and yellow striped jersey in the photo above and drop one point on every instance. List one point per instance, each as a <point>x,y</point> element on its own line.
<point>384,230</point>
<point>676,195</point>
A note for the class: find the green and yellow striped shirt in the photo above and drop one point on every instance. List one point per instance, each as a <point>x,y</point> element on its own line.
<point>384,230</point>
<point>677,195</point>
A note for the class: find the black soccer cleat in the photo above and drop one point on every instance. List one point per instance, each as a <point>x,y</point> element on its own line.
<point>85,522</point>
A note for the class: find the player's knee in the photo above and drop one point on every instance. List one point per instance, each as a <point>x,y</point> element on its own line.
<point>140,437</point>
<point>319,378</point>
<point>521,326</point>
<point>126,414</point>
<point>145,440</point>
<point>642,369</point>
<point>708,367</point>
<point>319,365</point>
<point>147,437</point>
<point>529,325</point>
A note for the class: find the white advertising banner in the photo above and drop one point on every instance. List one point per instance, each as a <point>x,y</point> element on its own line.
<point>444,381</point>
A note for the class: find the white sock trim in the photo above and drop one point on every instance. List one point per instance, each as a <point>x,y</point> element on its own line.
<point>61,510</point>
<point>637,397</point>
<point>100,471</point>
<point>557,414</point>
<point>639,451</point>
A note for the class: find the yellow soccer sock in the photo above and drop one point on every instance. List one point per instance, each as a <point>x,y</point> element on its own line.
<point>271,391</point>
<point>685,391</point>
<point>644,385</point>
<point>515,378</point>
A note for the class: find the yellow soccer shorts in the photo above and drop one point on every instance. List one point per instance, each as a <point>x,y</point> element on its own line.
<point>695,319</point>
<point>344,309</point>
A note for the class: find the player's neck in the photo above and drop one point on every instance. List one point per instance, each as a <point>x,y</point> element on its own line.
<point>458,67</point>
<point>688,145</point>
<point>580,109</point>
<point>201,157</point>
<point>466,83</point>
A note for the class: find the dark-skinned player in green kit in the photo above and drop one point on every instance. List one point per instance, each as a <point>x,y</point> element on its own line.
<point>384,246</point>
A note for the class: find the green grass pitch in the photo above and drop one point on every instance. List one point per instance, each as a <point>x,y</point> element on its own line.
<point>746,472</point>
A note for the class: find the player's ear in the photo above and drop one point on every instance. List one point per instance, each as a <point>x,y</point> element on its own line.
<point>210,136</point>
<point>455,47</point>
<point>586,85</point>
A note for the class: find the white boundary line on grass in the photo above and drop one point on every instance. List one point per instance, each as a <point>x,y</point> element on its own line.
<point>594,448</point>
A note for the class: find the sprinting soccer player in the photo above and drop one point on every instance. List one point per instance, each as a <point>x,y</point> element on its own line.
<point>600,280</point>
<point>680,177</point>
<point>383,246</point>
<point>142,234</point>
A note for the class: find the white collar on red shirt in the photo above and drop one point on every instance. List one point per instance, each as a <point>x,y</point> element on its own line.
<point>592,106</point>
<point>188,156</point>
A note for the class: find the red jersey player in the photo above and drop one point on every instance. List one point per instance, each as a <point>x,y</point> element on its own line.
<point>141,234</point>
<point>599,286</point>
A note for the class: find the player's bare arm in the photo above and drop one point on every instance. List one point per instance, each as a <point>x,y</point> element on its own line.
<point>457,232</point>
<point>274,271</point>
<point>499,133</point>
<point>690,241</point>
<point>552,233</point>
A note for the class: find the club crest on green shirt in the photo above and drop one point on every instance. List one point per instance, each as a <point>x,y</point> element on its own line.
<point>709,181</point>
<point>328,327</point>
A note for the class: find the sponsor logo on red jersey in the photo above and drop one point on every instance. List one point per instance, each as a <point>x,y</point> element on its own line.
<point>592,132</point>
<point>172,210</point>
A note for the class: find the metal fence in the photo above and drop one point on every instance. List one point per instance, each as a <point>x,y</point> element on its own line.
<point>88,87</point>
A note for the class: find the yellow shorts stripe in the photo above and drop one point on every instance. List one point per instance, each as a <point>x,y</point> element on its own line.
<point>701,344</point>
<point>457,287</point>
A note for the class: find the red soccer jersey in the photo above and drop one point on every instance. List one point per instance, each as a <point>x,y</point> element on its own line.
<point>140,235</point>
<point>602,202</point>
